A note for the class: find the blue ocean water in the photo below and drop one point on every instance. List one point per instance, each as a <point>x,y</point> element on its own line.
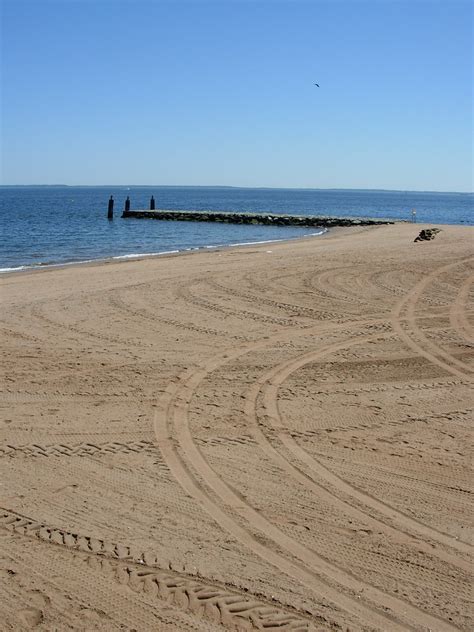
<point>47,225</point>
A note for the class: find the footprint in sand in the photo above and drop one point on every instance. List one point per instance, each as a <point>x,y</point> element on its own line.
<point>34,615</point>
<point>31,617</point>
<point>39,599</point>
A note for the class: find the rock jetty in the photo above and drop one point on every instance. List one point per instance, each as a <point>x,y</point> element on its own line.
<point>268,219</point>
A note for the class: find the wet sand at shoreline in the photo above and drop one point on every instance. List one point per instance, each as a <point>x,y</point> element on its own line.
<point>269,437</point>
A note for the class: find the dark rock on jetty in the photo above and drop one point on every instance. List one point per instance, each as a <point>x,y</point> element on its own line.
<point>427,234</point>
<point>255,218</point>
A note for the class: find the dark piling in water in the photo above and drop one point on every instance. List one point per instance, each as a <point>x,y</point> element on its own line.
<point>110,210</point>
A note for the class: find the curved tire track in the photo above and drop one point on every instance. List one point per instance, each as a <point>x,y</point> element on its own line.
<point>268,384</point>
<point>429,350</point>
<point>458,312</point>
<point>298,561</point>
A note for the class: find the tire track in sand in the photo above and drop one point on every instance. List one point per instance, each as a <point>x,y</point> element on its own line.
<point>76,449</point>
<point>268,385</point>
<point>425,347</point>
<point>184,292</point>
<point>367,603</point>
<point>118,302</point>
<point>144,572</point>
<point>458,313</point>
<point>71,331</point>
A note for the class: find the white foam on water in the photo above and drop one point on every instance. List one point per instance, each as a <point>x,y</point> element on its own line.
<point>272,241</point>
<point>3,270</point>
<point>43,266</point>
<point>143,255</point>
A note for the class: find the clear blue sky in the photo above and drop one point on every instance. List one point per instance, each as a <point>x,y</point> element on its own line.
<point>221,93</point>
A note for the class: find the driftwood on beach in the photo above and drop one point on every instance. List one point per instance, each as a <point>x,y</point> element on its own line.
<point>268,219</point>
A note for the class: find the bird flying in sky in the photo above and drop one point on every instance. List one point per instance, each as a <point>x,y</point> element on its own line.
<point>317,84</point>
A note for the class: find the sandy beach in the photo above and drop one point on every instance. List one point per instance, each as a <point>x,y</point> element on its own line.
<point>272,437</point>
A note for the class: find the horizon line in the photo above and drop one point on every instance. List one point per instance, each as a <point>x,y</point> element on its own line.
<point>229,186</point>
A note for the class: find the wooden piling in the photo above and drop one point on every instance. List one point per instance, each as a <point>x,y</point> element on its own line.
<point>110,210</point>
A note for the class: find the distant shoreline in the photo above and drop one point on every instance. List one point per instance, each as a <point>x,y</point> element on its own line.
<point>224,186</point>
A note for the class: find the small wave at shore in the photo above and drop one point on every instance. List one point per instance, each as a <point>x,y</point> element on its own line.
<point>147,255</point>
